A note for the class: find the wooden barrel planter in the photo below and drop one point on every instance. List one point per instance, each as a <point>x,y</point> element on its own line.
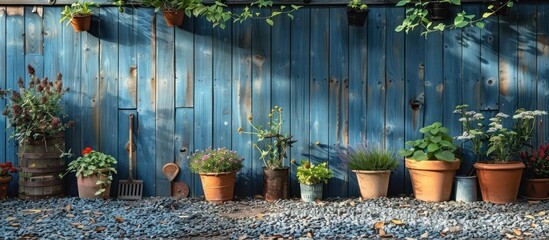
<point>41,165</point>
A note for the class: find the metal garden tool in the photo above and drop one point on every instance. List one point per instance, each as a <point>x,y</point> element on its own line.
<point>131,189</point>
<point>177,189</point>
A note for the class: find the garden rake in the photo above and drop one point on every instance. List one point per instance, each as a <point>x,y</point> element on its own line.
<point>131,189</point>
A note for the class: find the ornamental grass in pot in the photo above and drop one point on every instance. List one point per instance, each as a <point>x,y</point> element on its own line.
<point>5,178</point>
<point>217,169</point>
<point>272,145</point>
<point>311,178</point>
<point>498,170</point>
<point>432,163</point>
<point>372,166</point>
<point>94,171</point>
<point>78,15</point>
<point>536,182</point>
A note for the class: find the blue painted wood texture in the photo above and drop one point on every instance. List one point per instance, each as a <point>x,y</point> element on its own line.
<point>193,86</point>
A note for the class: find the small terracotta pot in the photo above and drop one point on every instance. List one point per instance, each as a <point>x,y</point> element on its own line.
<point>372,184</point>
<point>174,18</point>
<point>432,180</point>
<point>81,23</point>
<point>4,184</point>
<point>87,186</point>
<point>218,187</point>
<point>275,184</point>
<point>499,183</point>
<point>536,189</point>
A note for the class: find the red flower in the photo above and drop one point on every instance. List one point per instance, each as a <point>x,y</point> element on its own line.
<point>86,151</point>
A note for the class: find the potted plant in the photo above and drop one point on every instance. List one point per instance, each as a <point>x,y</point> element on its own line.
<point>372,167</point>
<point>498,172</point>
<point>34,114</point>
<point>438,10</point>
<point>432,163</point>
<point>536,184</point>
<point>311,178</point>
<point>272,145</point>
<point>79,15</point>
<point>5,178</point>
<point>173,10</point>
<point>356,13</point>
<point>94,172</point>
<point>217,169</point>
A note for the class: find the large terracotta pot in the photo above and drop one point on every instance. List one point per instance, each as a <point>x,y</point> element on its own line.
<point>536,189</point>
<point>87,186</point>
<point>372,184</point>
<point>4,183</point>
<point>499,183</point>
<point>432,180</point>
<point>81,23</point>
<point>218,187</point>
<point>275,184</point>
<point>174,18</point>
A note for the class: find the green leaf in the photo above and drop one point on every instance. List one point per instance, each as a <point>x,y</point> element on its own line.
<point>399,28</point>
<point>487,14</point>
<point>402,3</point>
<point>269,21</point>
<point>435,139</point>
<point>405,152</point>
<point>446,143</point>
<point>419,155</point>
<point>432,147</point>
<point>445,155</point>
<point>480,24</point>
<point>424,130</point>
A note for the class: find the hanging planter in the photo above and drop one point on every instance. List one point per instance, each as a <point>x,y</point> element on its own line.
<point>81,23</point>
<point>173,18</point>
<point>438,10</point>
<point>356,13</point>
<point>79,15</point>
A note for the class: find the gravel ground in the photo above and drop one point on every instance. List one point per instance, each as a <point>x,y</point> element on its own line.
<point>402,218</point>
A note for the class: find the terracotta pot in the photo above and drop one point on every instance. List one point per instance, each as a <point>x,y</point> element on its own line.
<point>536,189</point>
<point>372,184</point>
<point>174,18</point>
<point>218,187</point>
<point>432,180</point>
<point>499,183</point>
<point>4,183</point>
<point>81,23</point>
<point>275,184</point>
<point>87,186</point>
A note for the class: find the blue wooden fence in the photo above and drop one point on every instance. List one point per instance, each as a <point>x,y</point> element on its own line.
<point>192,87</point>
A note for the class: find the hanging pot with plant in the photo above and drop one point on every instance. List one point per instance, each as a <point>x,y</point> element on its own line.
<point>356,13</point>
<point>438,10</point>
<point>173,18</point>
<point>79,15</point>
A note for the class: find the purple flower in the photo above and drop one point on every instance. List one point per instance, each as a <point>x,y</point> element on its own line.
<point>205,157</point>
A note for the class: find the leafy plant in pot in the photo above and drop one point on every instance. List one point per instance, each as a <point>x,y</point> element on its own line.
<point>217,169</point>
<point>536,184</point>
<point>432,163</point>
<point>356,13</point>
<point>372,167</point>
<point>94,171</point>
<point>311,178</point>
<point>173,10</point>
<point>497,147</point>
<point>79,15</point>
<point>272,145</point>
<point>5,178</point>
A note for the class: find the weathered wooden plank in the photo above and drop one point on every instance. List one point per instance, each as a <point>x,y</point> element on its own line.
<point>203,91</point>
<point>184,64</point>
<point>319,85</point>
<point>68,45</point>
<point>415,92</point>
<point>15,68</point>
<point>184,129</point>
<point>146,99</point>
<point>261,87</point>
<point>434,85</point>
<point>33,30</point>
<point>526,68</point>
<point>395,102</point>
<point>375,126</point>
<point>338,100</point>
<point>542,75</point>
<point>299,90</point>
<point>489,94</point>
<point>3,120</point>
<point>165,107</point>
<point>242,103</point>
<point>127,65</point>
<point>508,63</point>
<point>222,91</point>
